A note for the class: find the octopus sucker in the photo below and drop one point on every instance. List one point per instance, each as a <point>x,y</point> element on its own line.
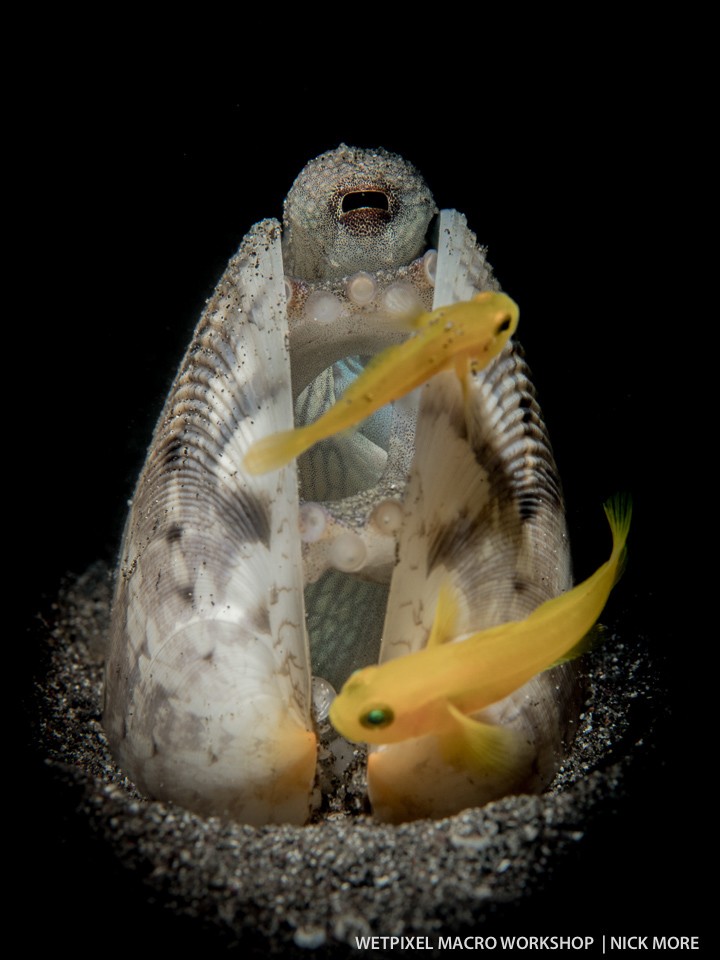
<point>237,586</point>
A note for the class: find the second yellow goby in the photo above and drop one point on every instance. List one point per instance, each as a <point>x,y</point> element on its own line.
<point>435,690</point>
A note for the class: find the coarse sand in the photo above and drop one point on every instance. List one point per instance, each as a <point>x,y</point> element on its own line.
<point>113,858</point>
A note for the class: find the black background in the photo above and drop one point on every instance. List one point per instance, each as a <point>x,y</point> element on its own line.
<point>569,181</point>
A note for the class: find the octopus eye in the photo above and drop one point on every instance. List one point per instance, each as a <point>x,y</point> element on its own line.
<point>503,325</point>
<point>377,718</point>
<point>365,199</point>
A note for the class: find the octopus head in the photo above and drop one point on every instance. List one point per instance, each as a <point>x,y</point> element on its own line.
<point>353,209</point>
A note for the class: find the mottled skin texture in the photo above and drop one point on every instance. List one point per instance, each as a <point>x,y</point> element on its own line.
<point>328,237</point>
<point>207,690</point>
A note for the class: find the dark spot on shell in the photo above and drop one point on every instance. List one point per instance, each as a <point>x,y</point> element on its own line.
<point>157,703</point>
<point>520,585</point>
<point>449,540</point>
<point>260,617</point>
<point>258,514</point>
<point>209,655</point>
<point>174,533</point>
<point>458,423</point>
<point>187,593</point>
<point>172,451</point>
<point>528,507</point>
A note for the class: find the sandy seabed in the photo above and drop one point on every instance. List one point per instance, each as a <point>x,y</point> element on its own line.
<point>522,863</point>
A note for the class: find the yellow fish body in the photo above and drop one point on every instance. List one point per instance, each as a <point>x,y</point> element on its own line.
<point>433,691</point>
<point>462,336</point>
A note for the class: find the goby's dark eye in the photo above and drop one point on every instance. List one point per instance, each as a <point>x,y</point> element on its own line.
<point>377,718</point>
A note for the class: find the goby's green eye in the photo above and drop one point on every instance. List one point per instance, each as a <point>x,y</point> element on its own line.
<point>377,718</point>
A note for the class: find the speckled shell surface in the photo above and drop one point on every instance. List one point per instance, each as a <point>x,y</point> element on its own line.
<point>484,507</point>
<point>492,521</point>
<point>207,696</point>
<point>234,589</point>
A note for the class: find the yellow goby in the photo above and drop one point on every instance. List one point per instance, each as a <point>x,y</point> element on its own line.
<point>434,690</point>
<point>462,336</point>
